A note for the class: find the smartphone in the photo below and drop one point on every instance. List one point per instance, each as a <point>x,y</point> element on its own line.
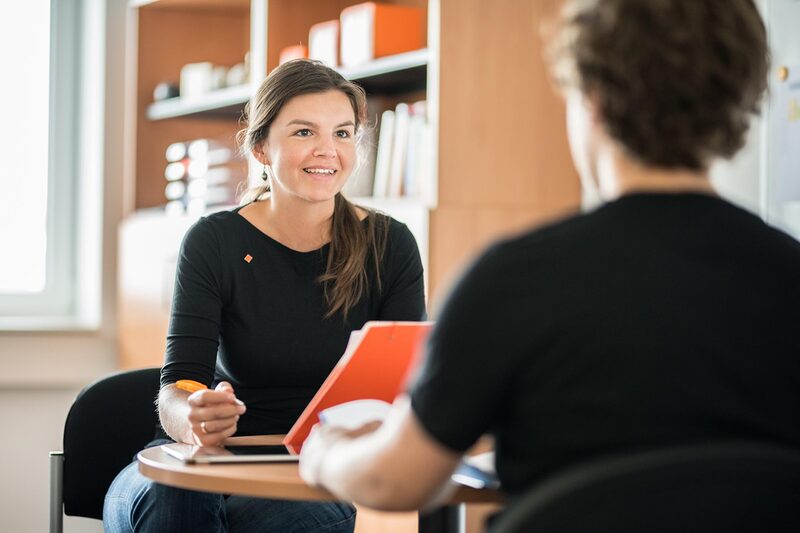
<point>191,454</point>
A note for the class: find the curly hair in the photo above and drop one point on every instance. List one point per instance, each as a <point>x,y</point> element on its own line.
<point>675,81</point>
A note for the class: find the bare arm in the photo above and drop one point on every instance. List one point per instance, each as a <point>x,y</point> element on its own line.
<point>396,467</point>
<point>204,418</point>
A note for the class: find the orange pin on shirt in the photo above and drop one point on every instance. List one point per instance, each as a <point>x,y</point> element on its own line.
<point>248,258</point>
<point>190,385</point>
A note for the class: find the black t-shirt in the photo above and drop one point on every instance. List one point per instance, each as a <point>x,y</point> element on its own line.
<point>654,320</point>
<point>259,323</point>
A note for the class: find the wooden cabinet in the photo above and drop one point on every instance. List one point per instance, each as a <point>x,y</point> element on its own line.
<point>168,34</point>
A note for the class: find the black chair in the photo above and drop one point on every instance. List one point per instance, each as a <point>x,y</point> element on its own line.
<point>736,487</point>
<point>109,421</point>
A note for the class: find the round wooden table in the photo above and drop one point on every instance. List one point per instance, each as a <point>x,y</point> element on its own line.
<point>281,481</point>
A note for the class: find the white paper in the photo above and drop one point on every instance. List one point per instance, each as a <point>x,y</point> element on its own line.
<point>353,415</point>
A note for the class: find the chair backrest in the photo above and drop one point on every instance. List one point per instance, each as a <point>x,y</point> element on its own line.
<point>109,421</point>
<point>722,487</point>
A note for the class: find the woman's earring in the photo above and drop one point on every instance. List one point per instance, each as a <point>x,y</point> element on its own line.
<point>265,177</point>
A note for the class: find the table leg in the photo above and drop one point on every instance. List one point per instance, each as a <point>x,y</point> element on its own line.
<point>448,519</point>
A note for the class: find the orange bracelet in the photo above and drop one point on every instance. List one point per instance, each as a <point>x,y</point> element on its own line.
<point>190,385</point>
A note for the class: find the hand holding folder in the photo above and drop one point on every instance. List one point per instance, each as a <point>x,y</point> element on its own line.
<point>375,366</point>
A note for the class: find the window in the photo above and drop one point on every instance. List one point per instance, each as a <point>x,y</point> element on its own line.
<point>41,51</point>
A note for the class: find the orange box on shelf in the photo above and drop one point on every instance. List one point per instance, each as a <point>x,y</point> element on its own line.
<point>372,30</point>
<point>292,52</point>
<point>323,42</point>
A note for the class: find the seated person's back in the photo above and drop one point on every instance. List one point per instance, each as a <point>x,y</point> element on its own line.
<point>603,335</point>
<point>666,316</point>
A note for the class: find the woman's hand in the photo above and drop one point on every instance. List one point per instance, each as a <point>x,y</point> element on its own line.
<point>214,414</point>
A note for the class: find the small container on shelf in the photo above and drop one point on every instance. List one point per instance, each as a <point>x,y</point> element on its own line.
<point>297,51</point>
<point>164,91</point>
<point>372,30</point>
<point>323,42</point>
<point>236,75</point>
<point>196,79</point>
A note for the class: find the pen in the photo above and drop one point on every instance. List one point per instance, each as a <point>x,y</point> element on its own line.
<point>190,385</point>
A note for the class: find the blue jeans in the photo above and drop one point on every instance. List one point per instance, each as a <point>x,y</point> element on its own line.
<point>134,503</point>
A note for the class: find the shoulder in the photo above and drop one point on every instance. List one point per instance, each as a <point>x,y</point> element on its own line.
<point>210,232</point>
<point>397,231</point>
<point>537,245</point>
<point>773,245</point>
<point>398,240</point>
<point>215,224</point>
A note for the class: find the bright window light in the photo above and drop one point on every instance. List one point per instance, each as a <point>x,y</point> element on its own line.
<point>25,56</point>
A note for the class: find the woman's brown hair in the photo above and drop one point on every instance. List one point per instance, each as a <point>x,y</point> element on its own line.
<point>355,243</point>
<point>674,81</point>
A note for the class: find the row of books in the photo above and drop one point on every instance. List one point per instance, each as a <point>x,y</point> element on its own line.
<point>201,173</point>
<point>399,163</point>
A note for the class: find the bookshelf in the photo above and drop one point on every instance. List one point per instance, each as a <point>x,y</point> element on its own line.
<point>171,33</point>
<point>498,150</point>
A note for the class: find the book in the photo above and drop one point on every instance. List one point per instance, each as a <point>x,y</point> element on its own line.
<point>402,118</point>
<point>477,471</point>
<point>415,154</point>
<point>375,366</point>
<point>383,159</point>
<point>360,184</point>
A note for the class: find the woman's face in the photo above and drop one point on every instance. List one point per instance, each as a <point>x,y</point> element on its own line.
<point>311,146</point>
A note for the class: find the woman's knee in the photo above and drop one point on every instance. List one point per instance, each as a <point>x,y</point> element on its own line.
<point>136,503</point>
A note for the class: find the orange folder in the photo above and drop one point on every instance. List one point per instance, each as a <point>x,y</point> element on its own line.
<point>376,364</point>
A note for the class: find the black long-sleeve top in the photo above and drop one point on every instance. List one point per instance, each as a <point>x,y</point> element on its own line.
<point>656,320</point>
<point>249,310</point>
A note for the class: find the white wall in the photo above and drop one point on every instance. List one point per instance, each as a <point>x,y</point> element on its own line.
<point>745,180</point>
<point>33,419</point>
<point>739,180</point>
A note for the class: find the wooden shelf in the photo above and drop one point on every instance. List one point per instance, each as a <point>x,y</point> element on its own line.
<point>391,204</point>
<point>193,4</point>
<point>393,74</point>
<point>227,103</point>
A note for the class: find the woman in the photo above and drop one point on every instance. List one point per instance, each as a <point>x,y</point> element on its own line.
<point>665,316</point>
<point>265,299</point>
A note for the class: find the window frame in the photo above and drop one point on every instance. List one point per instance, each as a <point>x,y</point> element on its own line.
<point>63,304</point>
